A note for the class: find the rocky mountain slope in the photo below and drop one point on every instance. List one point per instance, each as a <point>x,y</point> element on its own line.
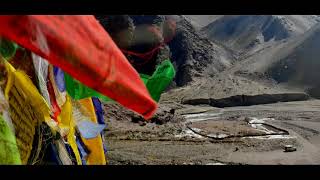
<point>200,21</point>
<point>250,33</point>
<point>294,63</point>
<point>288,65</point>
<point>195,56</point>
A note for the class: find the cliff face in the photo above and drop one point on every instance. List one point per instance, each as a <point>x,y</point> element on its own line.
<point>194,55</point>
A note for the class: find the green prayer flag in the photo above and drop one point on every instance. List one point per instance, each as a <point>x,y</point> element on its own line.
<point>9,152</point>
<point>155,84</point>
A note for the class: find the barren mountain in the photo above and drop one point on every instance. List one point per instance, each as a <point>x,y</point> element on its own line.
<point>294,63</point>
<point>200,21</point>
<point>195,56</point>
<point>289,65</point>
<point>250,33</point>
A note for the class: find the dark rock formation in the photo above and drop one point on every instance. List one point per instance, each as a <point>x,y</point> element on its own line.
<point>246,100</point>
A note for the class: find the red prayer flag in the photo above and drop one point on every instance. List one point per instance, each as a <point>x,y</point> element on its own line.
<point>81,47</point>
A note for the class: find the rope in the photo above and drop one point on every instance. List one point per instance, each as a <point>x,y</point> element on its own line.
<point>148,55</point>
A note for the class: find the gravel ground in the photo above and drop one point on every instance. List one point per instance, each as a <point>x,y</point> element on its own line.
<point>172,144</point>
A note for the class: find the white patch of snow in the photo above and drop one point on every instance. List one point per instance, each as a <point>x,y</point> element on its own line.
<point>215,164</point>
<point>196,130</point>
<point>262,120</point>
<point>218,135</point>
<point>202,117</point>
<point>188,133</point>
<point>257,124</point>
<point>272,137</point>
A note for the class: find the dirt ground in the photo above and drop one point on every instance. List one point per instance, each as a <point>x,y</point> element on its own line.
<point>173,143</point>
